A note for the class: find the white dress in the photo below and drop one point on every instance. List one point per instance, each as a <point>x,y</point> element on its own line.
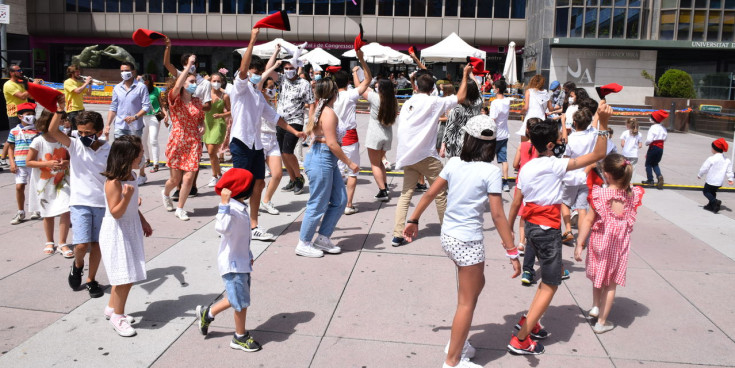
<point>536,107</point>
<point>50,188</point>
<point>121,243</point>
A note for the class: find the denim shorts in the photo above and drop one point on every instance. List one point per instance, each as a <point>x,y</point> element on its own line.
<point>547,245</point>
<point>121,132</point>
<point>501,150</point>
<point>86,222</point>
<point>237,286</point>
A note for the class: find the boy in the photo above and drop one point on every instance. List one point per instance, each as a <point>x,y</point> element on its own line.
<point>717,168</point>
<point>539,187</point>
<point>19,141</point>
<point>235,260</point>
<point>499,111</point>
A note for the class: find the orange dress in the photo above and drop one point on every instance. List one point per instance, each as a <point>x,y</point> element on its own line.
<point>184,147</point>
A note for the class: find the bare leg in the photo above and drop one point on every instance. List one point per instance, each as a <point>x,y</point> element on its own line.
<point>186,183</point>
<point>351,185</point>
<point>255,202</point>
<point>540,303</point>
<point>20,196</point>
<point>584,225</point>
<point>240,321</point>
<point>118,297</point>
<point>292,165</point>
<point>606,302</point>
<point>566,215</point>
<point>80,250</point>
<point>213,150</point>
<point>376,163</point>
<point>173,181</point>
<point>505,170</point>
<point>596,296</point>
<point>95,256</point>
<point>471,282</point>
<point>219,307</point>
<point>64,224</point>
<point>48,228</point>
<point>274,165</point>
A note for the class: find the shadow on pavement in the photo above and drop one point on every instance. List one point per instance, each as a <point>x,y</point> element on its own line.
<point>157,276</point>
<point>161,312</point>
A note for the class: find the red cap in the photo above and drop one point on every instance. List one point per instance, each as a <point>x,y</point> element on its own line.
<point>333,69</point>
<point>659,115</point>
<point>719,143</point>
<point>236,180</point>
<point>277,20</point>
<point>145,37</point>
<point>608,89</point>
<point>45,96</point>
<point>30,106</point>
<point>478,66</point>
<point>359,41</point>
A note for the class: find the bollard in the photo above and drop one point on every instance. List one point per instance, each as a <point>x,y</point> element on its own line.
<point>672,114</point>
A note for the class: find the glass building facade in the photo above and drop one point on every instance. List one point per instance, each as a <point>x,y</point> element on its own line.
<point>600,18</point>
<point>697,20</point>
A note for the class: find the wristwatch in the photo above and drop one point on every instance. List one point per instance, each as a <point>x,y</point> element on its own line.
<point>603,133</point>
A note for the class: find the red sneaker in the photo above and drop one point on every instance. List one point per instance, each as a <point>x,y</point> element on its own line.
<point>525,347</point>
<point>538,332</point>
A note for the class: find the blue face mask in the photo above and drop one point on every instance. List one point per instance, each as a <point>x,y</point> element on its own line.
<point>441,93</point>
<point>317,77</point>
<point>191,88</point>
<point>255,78</point>
<point>87,141</point>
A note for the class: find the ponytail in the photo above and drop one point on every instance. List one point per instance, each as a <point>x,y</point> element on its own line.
<point>620,170</point>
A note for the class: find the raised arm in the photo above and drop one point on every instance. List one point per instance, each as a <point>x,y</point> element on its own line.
<point>167,59</point>
<point>245,63</point>
<point>417,60</point>
<point>174,93</point>
<point>53,128</point>
<point>272,64</point>
<point>462,93</point>
<point>363,86</point>
<point>268,72</point>
<point>604,111</point>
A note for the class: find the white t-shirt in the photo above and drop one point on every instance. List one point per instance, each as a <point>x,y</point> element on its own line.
<point>86,166</point>
<point>656,132</point>
<point>345,106</point>
<point>630,148</point>
<point>233,223</point>
<point>540,180</point>
<point>469,184</point>
<point>717,168</point>
<point>499,111</point>
<point>417,127</point>
<point>248,107</point>
<point>579,144</point>
<point>569,116</point>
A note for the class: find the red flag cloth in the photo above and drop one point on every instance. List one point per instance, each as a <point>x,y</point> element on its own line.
<point>145,37</point>
<point>45,96</point>
<point>478,66</point>
<point>659,115</point>
<point>608,89</point>
<point>277,20</point>
<point>359,41</point>
<point>333,69</point>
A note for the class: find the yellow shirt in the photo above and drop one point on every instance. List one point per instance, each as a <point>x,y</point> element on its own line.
<point>9,90</point>
<point>74,101</point>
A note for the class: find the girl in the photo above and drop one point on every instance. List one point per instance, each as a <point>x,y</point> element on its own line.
<point>535,103</point>
<point>457,118</point>
<point>470,180</point>
<point>183,150</point>
<point>215,126</point>
<point>615,209</point>
<point>50,176</point>
<point>631,141</point>
<point>270,144</point>
<point>327,192</point>
<point>383,112</point>
<point>122,230</point>
<point>153,119</point>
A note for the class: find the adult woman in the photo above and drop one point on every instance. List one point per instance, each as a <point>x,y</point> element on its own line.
<point>383,111</point>
<point>535,103</point>
<point>270,144</point>
<point>457,118</point>
<point>215,126</point>
<point>153,119</point>
<point>327,193</point>
<point>183,150</point>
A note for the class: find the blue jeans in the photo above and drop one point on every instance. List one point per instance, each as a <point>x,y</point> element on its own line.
<point>327,194</point>
<point>653,157</point>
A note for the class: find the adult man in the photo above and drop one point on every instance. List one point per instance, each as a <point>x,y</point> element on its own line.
<point>130,102</point>
<point>15,94</point>
<point>74,86</point>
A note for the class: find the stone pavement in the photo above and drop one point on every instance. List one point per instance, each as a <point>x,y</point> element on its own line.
<point>375,305</point>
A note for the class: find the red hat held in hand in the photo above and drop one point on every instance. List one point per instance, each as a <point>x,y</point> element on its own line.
<point>478,66</point>
<point>608,89</point>
<point>145,37</point>
<point>659,115</point>
<point>45,96</point>
<point>719,142</point>
<point>277,20</point>
<point>30,106</point>
<point>413,50</point>
<point>333,69</point>
<point>359,41</point>
<point>238,181</point>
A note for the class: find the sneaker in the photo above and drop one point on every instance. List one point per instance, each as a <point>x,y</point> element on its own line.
<point>269,207</point>
<point>175,196</point>
<point>108,315</point>
<point>167,203</point>
<point>181,214</point>
<point>525,347</point>
<point>594,312</point>
<point>94,289</point>
<point>468,351</point>
<point>122,327</point>
<point>259,234</point>
<point>298,185</point>
<point>382,195</point>
<point>565,275</point>
<point>75,276</point>
<point>213,182</point>
<point>245,343</point>
<point>306,249</point>
<point>717,206</point>
<point>506,187</point>
<point>288,187</point>
<point>647,182</point>
<point>463,363</point>
<point>521,249</point>
<point>193,192</point>
<point>142,180</point>
<point>421,188</point>
<point>527,278</point>
<point>397,242</point>
<point>659,186</point>
<point>35,215</point>
<point>203,319</point>
<point>600,329</point>
<point>573,219</point>
<point>350,210</point>
<point>19,217</point>
<point>325,245</point>
<point>538,332</point>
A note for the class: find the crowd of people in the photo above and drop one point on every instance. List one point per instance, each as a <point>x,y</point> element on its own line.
<point>568,169</point>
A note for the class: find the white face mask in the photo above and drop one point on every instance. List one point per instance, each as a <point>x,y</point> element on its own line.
<point>571,100</point>
<point>271,92</point>
<point>126,75</point>
<point>290,73</point>
<point>29,119</point>
<point>216,85</point>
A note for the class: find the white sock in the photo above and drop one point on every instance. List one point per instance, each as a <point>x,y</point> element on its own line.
<point>109,310</point>
<point>116,316</point>
<point>209,314</point>
<point>238,335</point>
<point>21,212</point>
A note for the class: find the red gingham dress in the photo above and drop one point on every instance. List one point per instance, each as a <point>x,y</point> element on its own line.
<point>607,254</point>
<point>183,150</point>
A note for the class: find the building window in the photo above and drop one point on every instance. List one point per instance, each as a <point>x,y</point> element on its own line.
<point>484,8</point>
<point>666,27</point>
<point>700,4</point>
<point>434,8</point>
<point>306,7</point>
<point>289,6</point>
<point>518,11</point>
<point>604,27</point>
<point>698,26</point>
<point>633,23</point>
<point>685,20</point>
<point>274,6</point>
<point>200,7</point>
<point>618,28</point>
<point>184,6</point>
<point>368,7</point>
<point>402,7</point>
<point>713,26</point>
<point>729,4</point>
<point>229,7</point>
<point>113,6</point>
<point>126,6</point>
<point>169,6</point>
<point>98,5</point>
<point>575,25</point>
<point>590,23</point>
<point>467,9</point>
<point>83,6</point>
<point>352,9</point>
<point>562,22</point>
<point>258,7</point>
<point>418,8</point>
<point>728,26</point>
<point>501,9</point>
<point>385,7</point>
<point>214,6</point>
<point>321,7</point>
<point>338,7</point>
<point>141,6</point>
<point>71,5</point>
<point>450,8</point>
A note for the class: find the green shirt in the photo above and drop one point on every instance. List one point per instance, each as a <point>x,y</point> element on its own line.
<point>155,104</point>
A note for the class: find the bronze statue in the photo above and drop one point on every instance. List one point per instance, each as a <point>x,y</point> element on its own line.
<point>90,57</point>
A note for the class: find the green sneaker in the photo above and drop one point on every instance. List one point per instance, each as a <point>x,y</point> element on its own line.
<point>288,187</point>
<point>245,343</point>
<point>203,319</point>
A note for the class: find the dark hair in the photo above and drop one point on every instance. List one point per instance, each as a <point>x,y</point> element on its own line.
<point>256,63</point>
<point>543,133</point>
<point>222,77</point>
<point>570,86</point>
<point>485,110</point>
<point>71,69</point>
<point>473,93</point>
<point>425,83</point>
<point>90,117</point>
<point>474,149</point>
<point>583,100</point>
<point>501,86</point>
<point>123,152</point>
<point>185,59</point>
<point>388,104</point>
<point>147,78</point>
<point>131,65</point>
<point>43,121</point>
<point>530,123</point>
<point>717,149</point>
<point>619,169</point>
<point>245,194</point>
<point>341,78</point>
<point>582,119</point>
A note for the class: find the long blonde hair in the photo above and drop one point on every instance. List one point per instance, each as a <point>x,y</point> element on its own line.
<point>324,91</point>
<point>632,126</point>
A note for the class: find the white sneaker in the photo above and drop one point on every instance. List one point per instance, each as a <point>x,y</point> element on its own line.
<point>594,312</point>
<point>167,203</point>
<point>350,210</point>
<point>128,318</point>
<point>325,244</point>
<point>269,207</point>
<point>142,180</point>
<point>307,250</point>
<point>122,327</point>
<point>468,351</point>
<point>259,234</point>
<point>573,218</point>
<point>181,214</point>
<point>600,329</point>
<point>213,182</point>
<point>35,215</point>
<point>19,217</point>
<point>506,187</point>
<point>463,363</point>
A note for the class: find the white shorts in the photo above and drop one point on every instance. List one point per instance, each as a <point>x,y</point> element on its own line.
<point>270,144</point>
<point>21,174</point>
<point>353,153</point>
<point>463,253</point>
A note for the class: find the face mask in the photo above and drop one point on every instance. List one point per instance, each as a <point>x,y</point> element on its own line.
<point>317,77</point>
<point>191,88</point>
<point>441,93</point>
<point>126,75</point>
<point>271,92</point>
<point>88,140</point>
<point>29,119</point>
<point>64,130</point>
<point>559,149</point>
<point>255,78</point>
<point>290,73</point>
<point>571,100</point>
<point>216,85</point>
<point>193,69</point>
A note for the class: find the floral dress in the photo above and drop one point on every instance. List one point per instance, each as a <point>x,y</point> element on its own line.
<point>607,254</point>
<point>183,149</point>
<point>49,187</point>
<point>456,119</point>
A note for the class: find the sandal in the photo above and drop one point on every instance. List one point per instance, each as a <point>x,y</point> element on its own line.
<point>49,248</point>
<point>68,253</point>
<point>155,168</point>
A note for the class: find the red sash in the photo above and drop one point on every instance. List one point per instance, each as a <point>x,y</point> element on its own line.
<point>543,215</point>
<point>350,137</point>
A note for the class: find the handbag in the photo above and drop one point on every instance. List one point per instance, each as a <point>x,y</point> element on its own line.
<point>160,115</point>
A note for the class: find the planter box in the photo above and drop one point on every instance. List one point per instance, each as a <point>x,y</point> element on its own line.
<point>682,120</point>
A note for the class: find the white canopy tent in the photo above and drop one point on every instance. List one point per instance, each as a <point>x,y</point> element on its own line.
<point>378,54</point>
<point>320,57</point>
<point>510,71</point>
<point>266,50</point>
<point>452,49</point>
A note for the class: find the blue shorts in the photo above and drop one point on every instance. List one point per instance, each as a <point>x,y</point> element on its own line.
<point>501,150</point>
<point>121,132</point>
<point>237,286</point>
<point>243,157</point>
<point>86,222</point>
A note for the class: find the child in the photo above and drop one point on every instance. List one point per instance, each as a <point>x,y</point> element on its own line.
<point>19,141</point>
<point>615,210</point>
<point>717,167</point>
<point>50,163</point>
<point>499,110</point>
<point>630,141</point>
<point>485,111</point>
<point>234,258</point>
<point>540,189</point>
<point>122,229</point>
<point>655,142</point>
<point>470,181</point>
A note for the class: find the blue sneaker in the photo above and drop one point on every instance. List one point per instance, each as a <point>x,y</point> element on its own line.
<point>565,275</point>
<point>397,242</point>
<point>527,278</point>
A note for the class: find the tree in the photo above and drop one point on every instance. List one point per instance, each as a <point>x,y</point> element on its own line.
<point>676,83</point>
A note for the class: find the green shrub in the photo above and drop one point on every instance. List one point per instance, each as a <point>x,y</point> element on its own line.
<point>676,83</point>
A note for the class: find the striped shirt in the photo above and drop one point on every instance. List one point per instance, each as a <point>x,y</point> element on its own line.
<point>21,139</point>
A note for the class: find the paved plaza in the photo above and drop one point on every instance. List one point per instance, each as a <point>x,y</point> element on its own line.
<point>375,305</point>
